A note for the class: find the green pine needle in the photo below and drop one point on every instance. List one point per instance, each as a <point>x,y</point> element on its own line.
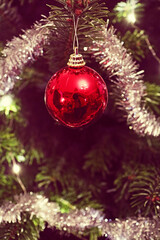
<point>28,229</point>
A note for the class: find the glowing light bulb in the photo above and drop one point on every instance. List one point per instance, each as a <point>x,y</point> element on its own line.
<point>16,168</point>
<point>6,101</point>
<point>131,17</point>
<point>7,104</point>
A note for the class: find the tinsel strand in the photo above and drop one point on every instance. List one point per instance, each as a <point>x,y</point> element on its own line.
<point>130,90</point>
<point>18,52</point>
<point>34,204</point>
<point>79,220</point>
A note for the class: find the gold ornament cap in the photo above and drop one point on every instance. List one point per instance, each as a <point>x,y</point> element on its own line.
<point>76,59</point>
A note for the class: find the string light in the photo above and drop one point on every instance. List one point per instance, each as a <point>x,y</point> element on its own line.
<point>6,101</point>
<point>131,17</point>
<point>127,10</point>
<point>7,104</point>
<point>16,168</point>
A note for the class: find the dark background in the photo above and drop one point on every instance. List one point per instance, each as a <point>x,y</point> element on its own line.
<point>73,144</point>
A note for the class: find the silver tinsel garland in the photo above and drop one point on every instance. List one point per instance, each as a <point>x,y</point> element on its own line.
<point>78,221</point>
<point>111,55</point>
<point>18,52</point>
<point>130,90</point>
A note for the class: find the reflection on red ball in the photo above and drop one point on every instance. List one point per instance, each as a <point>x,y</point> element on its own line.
<point>76,96</point>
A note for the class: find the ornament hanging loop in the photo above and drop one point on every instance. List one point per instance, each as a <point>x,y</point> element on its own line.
<point>76,59</point>
<point>75,39</point>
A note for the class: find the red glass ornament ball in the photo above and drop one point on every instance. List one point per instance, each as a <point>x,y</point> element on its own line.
<point>76,96</point>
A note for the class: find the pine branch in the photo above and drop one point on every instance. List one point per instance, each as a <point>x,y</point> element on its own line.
<point>139,185</point>
<point>90,20</point>
<point>10,18</point>
<point>134,42</point>
<point>145,191</point>
<point>57,183</point>
<point>152,98</point>
<point>101,158</point>
<point>9,143</point>
<point>28,229</point>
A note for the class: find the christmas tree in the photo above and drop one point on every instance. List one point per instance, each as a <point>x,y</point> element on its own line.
<point>94,181</point>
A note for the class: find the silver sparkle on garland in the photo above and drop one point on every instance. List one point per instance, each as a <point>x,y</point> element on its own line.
<point>130,90</point>
<point>78,221</point>
<point>18,52</point>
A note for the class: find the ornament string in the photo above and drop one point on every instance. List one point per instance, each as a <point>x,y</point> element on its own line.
<point>75,39</point>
